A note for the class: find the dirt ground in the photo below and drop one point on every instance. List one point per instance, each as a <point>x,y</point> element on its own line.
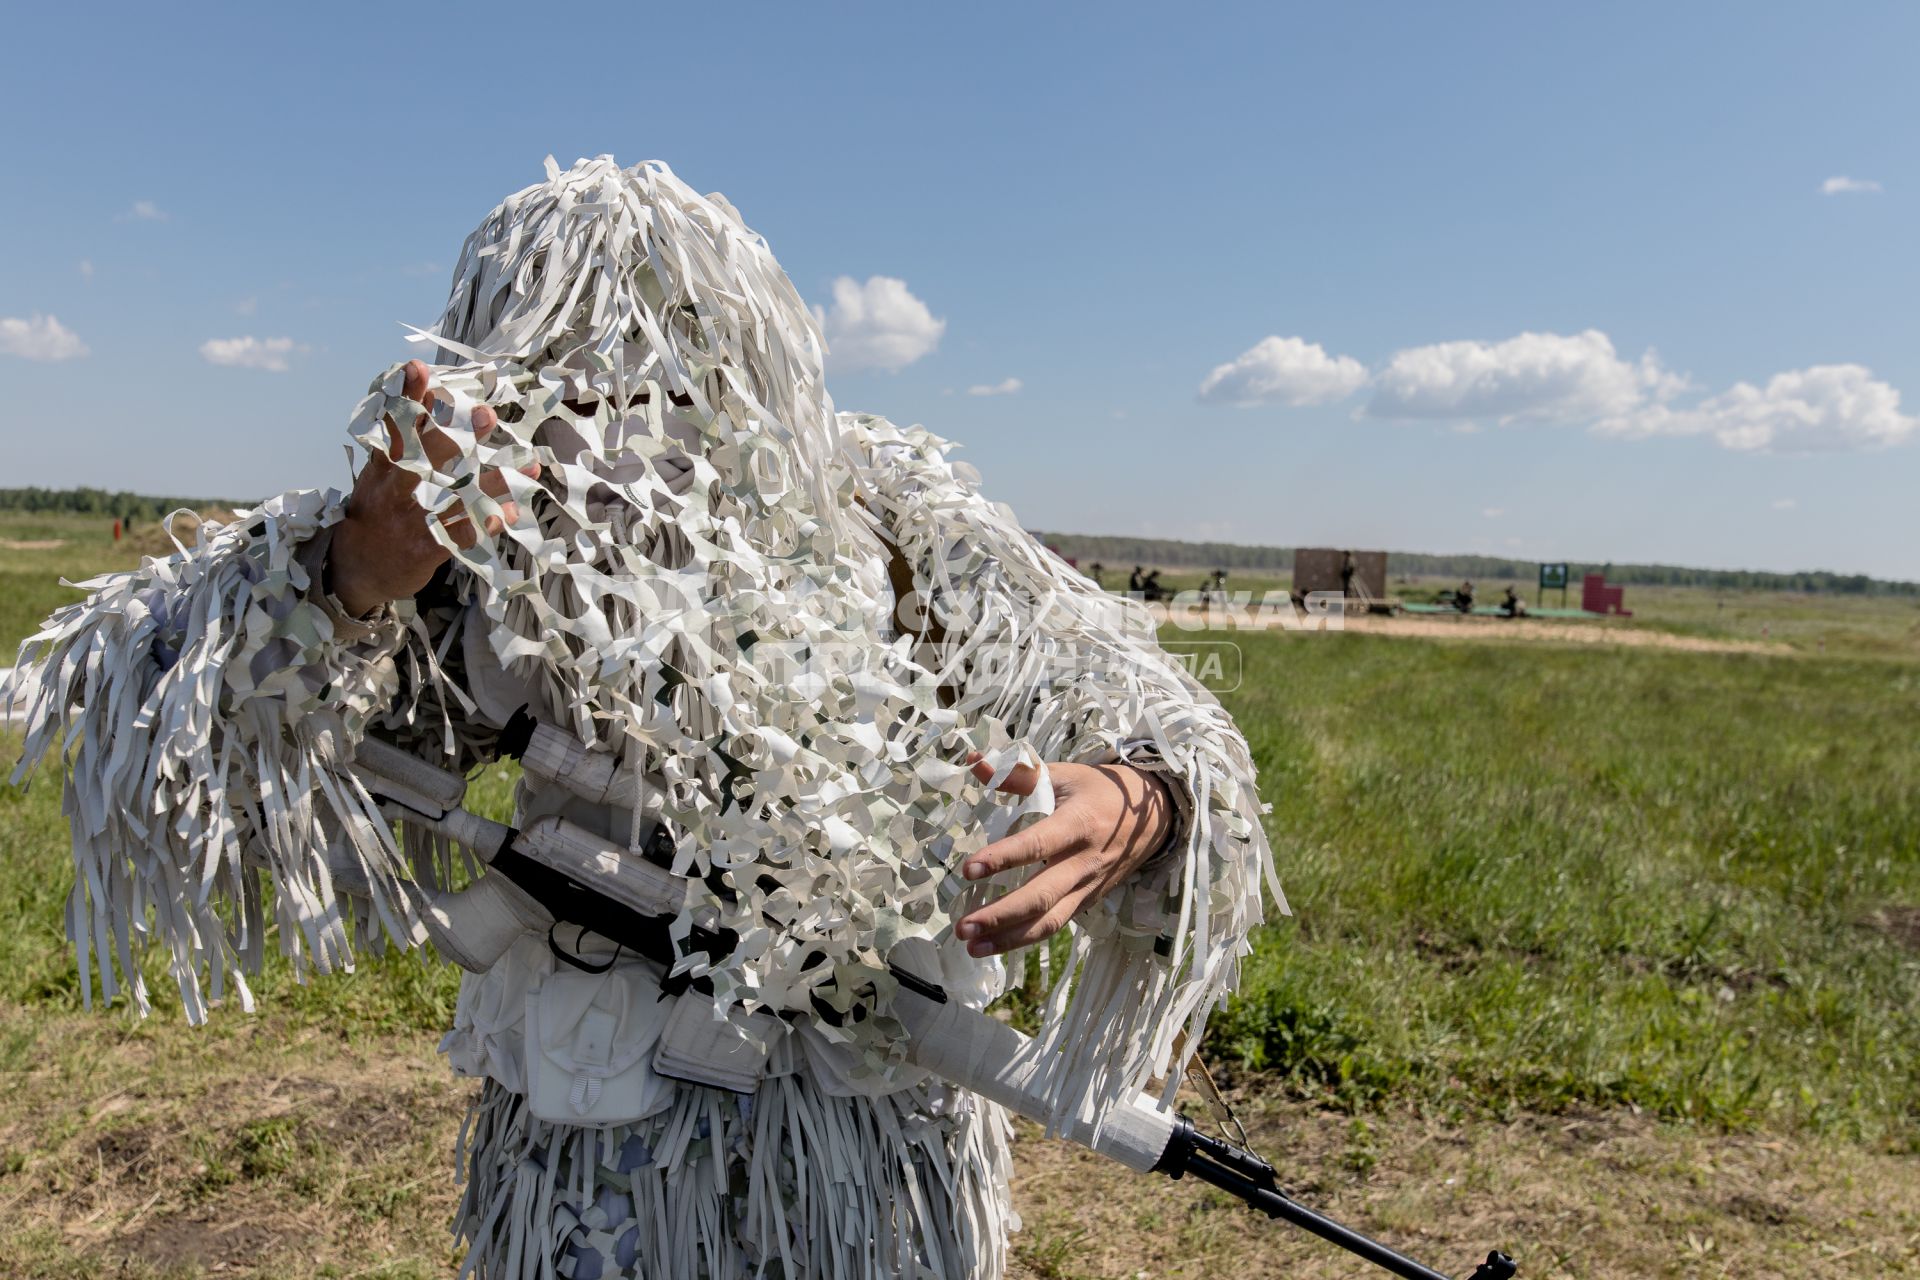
<point>1506,631</point>
<point>1597,1197</point>
<point>1527,630</point>
<point>158,1153</point>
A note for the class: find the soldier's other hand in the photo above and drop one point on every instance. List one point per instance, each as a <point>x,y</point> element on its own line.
<point>1107,820</point>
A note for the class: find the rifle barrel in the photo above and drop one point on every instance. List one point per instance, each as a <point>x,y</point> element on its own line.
<point>1275,1204</point>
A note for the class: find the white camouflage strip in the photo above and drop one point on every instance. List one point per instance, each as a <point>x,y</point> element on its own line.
<point>199,707</point>
<point>784,1182</point>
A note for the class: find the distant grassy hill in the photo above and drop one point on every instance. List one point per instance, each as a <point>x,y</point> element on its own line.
<point>1120,552</point>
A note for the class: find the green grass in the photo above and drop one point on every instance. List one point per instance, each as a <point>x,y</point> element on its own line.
<point>1526,876</point>
<point>1537,877</point>
<point>1830,625</point>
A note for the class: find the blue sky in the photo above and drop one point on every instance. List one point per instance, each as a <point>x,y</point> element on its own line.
<point>1465,227</point>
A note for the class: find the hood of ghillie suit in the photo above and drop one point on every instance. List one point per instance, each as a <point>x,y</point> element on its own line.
<point>695,580</point>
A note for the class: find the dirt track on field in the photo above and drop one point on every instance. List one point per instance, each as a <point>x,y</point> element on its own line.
<point>1528,630</point>
<point>1505,631</point>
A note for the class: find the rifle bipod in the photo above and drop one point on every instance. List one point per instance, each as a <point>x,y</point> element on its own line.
<point>1243,1174</point>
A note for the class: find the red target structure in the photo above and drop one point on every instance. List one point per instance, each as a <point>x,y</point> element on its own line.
<point>1597,597</point>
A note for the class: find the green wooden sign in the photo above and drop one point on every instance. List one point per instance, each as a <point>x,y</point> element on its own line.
<point>1553,575</point>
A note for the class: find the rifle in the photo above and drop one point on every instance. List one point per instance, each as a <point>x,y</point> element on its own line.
<point>556,872</point>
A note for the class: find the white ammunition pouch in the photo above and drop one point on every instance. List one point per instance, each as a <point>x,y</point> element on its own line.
<point>590,1038</point>
<point>730,1052</point>
<point>607,1048</point>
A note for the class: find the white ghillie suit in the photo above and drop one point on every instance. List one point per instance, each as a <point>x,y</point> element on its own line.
<point>702,581</point>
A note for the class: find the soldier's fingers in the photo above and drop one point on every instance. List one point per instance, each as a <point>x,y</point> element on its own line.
<point>413,388</point>
<point>1036,910</point>
<point>439,445</point>
<point>1050,837</point>
<point>460,528</point>
<point>1028,932</point>
<point>460,525</point>
<point>494,480</point>
<point>1020,781</point>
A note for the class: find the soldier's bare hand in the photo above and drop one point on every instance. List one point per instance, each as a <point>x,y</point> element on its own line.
<point>383,549</point>
<point>1107,820</point>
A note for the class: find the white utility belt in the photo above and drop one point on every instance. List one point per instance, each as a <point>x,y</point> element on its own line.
<point>606,1048</point>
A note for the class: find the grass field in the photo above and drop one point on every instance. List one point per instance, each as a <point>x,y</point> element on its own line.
<point>1604,955</point>
<point>36,551</point>
<point>1539,877</point>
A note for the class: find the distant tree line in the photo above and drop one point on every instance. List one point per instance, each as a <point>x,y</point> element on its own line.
<point>1122,553</point>
<point>99,502</point>
<point>1119,552</point>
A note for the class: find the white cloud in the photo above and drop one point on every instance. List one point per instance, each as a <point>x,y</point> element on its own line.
<point>1826,408</point>
<point>877,325</point>
<point>269,354</point>
<point>39,338</point>
<point>1535,377</point>
<point>1576,380</point>
<point>86,270</point>
<point>1785,504</point>
<point>246,306</point>
<point>1849,187</point>
<point>1289,371</point>
<point>1493,513</point>
<point>1005,387</point>
<point>144,211</point>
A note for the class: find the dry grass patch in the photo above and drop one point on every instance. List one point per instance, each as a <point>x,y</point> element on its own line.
<point>156,1152</point>
<point>239,1150</point>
